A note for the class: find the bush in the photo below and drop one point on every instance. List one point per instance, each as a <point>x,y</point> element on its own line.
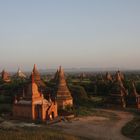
<point>5,108</point>
<point>5,99</point>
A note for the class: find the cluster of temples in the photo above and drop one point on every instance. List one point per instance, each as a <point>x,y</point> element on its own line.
<point>34,102</point>
<point>31,103</point>
<point>119,95</point>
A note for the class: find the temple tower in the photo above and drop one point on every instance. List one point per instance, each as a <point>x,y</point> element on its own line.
<point>5,76</point>
<point>37,78</point>
<point>64,97</point>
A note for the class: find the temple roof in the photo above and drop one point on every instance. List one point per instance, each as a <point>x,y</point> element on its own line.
<point>37,77</point>
<point>63,91</point>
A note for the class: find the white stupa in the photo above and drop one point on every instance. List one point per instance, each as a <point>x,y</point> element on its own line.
<point>20,74</point>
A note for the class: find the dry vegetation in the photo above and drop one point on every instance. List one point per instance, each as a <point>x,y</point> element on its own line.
<point>42,133</point>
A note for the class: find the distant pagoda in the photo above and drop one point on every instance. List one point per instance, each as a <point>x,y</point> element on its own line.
<point>5,76</point>
<point>64,97</point>
<point>20,74</point>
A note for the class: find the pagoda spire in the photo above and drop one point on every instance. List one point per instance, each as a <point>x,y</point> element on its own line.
<point>61,77</point>
<point>64,97</point>
<point>35,69</point>
<point>36,73</point>
<point>37,77</point>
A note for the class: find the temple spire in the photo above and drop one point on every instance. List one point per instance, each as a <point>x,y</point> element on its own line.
<point>34,68</point>
<point>64,97</point>
<point>37,78</point>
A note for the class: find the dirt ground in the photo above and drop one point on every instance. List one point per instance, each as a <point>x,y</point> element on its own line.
<point>96,127</point>
<point>93,127</point>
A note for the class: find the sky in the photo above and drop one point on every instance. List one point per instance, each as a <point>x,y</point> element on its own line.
<point>71,33</point>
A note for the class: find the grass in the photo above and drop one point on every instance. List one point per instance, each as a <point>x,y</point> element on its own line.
<point>132,128</point>
<point>35,134</point>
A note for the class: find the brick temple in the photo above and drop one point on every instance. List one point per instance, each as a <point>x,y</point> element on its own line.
<point>63,94</point>
<point>33,106</point>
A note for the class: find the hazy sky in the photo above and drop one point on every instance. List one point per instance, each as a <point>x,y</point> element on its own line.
<point>71,33</point>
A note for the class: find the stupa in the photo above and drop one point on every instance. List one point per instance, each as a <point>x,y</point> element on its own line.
<point>5,76</point>
<point>64,97</point>
<point>20,74</point>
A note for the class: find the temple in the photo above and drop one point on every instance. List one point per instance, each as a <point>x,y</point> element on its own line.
<point>118,93</point>
<point>33,106</point>
<point>5,76</point>
<point>64,97</point>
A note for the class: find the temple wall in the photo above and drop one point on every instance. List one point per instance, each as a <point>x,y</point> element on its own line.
<point>22,111</point>
<point>47,112</point>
